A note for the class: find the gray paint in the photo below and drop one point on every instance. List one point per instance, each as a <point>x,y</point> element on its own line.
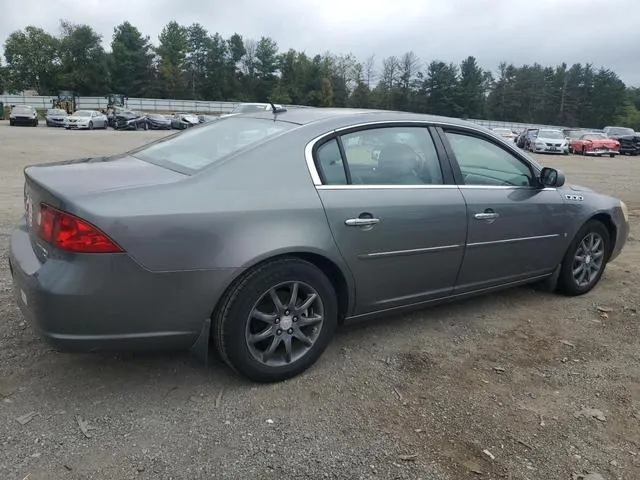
<point>188,237</point>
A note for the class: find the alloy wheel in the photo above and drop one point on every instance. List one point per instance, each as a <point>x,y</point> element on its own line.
<point>284,324</point>
<point>588,259</point>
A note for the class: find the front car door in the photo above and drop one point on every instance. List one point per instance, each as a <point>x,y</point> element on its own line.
<point>396,214</point>
<point>516,227</point>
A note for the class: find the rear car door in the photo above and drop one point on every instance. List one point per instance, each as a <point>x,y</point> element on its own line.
<point>515,226</point>
<point>396,215</point>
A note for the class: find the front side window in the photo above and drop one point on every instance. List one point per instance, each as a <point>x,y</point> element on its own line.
<point>392,156</point>
<point>484,163</point>
<point>198,148</point>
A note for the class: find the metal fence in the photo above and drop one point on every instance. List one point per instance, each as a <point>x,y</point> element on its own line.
<point>195,106</point>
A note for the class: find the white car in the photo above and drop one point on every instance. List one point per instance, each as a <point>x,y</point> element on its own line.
<point>549,141</point>
<point>505,133</point>
<point>251,107</point>
<point>23,115</point>
<point>86,119</point>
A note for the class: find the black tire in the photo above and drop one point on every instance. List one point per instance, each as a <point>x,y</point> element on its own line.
<point>12,123</point>
<point>612,155</point>
<point>567,284</point>
<point>232,316</point>
<point>90,125</point>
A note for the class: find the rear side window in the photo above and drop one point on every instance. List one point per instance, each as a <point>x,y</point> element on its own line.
<point>330,163</point>
<point>200,147</point>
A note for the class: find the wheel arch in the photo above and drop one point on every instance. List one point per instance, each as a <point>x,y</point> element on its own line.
<point>607,221</point>
<point>338,275</point>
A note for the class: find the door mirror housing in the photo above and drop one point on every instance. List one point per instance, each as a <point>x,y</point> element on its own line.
<point>550,177</point>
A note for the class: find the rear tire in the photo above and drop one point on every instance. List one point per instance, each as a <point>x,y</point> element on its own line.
<point>235,327</point>
<point>585,255</point>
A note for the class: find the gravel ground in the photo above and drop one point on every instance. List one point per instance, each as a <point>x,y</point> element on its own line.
<point>494,387</point>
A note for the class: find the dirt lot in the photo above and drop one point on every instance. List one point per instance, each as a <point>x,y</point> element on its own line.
<point>487,388</point>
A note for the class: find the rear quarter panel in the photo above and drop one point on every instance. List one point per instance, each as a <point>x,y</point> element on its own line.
<point>237,213</point>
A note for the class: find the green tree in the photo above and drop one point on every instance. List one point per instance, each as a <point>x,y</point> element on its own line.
<point>441,87</point>
<point>200,45</point>
<point>83,62</point>
<point>131,61</point>
<point>32,61</point>
<point>471,88</point>
<point>266,67</point>
<point>172,63</point>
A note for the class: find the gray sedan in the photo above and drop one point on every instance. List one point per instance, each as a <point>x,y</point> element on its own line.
<point>259,233</point>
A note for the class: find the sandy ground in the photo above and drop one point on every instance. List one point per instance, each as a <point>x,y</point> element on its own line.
<point>487,388</point>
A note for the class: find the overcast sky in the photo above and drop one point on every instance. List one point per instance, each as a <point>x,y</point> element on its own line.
<point>603,32</point>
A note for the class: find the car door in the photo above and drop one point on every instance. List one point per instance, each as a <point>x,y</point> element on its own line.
<point>515,227</point>
<point>397,217</point>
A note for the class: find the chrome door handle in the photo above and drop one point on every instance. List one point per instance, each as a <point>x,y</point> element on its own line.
<point>361,222</point>
<point>486,215</point>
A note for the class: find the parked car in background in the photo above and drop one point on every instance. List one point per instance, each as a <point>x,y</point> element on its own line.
<point>191,241</point>
<point>56,117</point>
<point>628,138</point>
<point>130,120</point>
<point>156,121</point>
<point>549,140</point>
<point>207,118</point>
<point>252,107</point>
<point>574,134</point>
<point>505,133</point>
<point>23,115</point>
<point>595,143</point>
<point>524,140</point>
<point>86,120</point>
<point>180,121</point>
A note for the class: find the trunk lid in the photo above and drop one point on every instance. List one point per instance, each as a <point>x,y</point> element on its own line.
<point>63,185</point>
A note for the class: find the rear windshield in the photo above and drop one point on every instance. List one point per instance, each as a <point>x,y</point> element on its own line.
<point>201,146</point>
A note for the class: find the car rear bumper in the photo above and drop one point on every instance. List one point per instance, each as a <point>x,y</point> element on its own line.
<point>104,302</point>
<point>602,152</point>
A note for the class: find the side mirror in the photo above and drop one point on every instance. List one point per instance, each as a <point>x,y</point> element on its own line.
<point>550,177</point>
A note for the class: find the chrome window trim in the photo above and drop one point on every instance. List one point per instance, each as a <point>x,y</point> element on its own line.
<point>413,251</point>
<point>430,187</point>
<point>315,176</point>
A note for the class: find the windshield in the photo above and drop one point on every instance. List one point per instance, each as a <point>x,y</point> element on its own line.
<point>249,108</point>
<point>593,136</point>
<point>56,111</point>
<point>20,109</point>
<point>200,147</point>
<point>620,131</point>
<point>574,133</point>
<point>551,134</point>
<point>83,113</point>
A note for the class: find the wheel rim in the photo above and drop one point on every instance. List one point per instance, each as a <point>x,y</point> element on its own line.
<point>588,260</point>
<point>284,324</point>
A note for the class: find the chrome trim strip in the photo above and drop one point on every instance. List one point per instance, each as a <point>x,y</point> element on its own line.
<point>315,176</point>
<point>413,251</point>
<point>512,240</point>
<point>422,187</point>
<point>385,187</point>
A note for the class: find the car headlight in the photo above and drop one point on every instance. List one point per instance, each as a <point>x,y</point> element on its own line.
<point>625,211</point>
<point>539,144</point>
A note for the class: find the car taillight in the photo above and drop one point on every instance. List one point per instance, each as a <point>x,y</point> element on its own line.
<point>70,233</point>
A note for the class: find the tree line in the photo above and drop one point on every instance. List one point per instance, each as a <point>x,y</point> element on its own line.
<point>189,62</point>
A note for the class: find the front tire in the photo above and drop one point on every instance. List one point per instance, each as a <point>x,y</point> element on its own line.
<point>585,260</point>
<point>276,321</point>
<point>90,125</point>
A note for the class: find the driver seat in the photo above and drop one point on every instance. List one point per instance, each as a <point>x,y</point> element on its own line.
<point>397,165</point>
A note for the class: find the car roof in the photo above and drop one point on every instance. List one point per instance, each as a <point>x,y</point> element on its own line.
<point>348,116</point>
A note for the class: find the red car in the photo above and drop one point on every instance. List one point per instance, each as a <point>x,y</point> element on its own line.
<point>595,143</point>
